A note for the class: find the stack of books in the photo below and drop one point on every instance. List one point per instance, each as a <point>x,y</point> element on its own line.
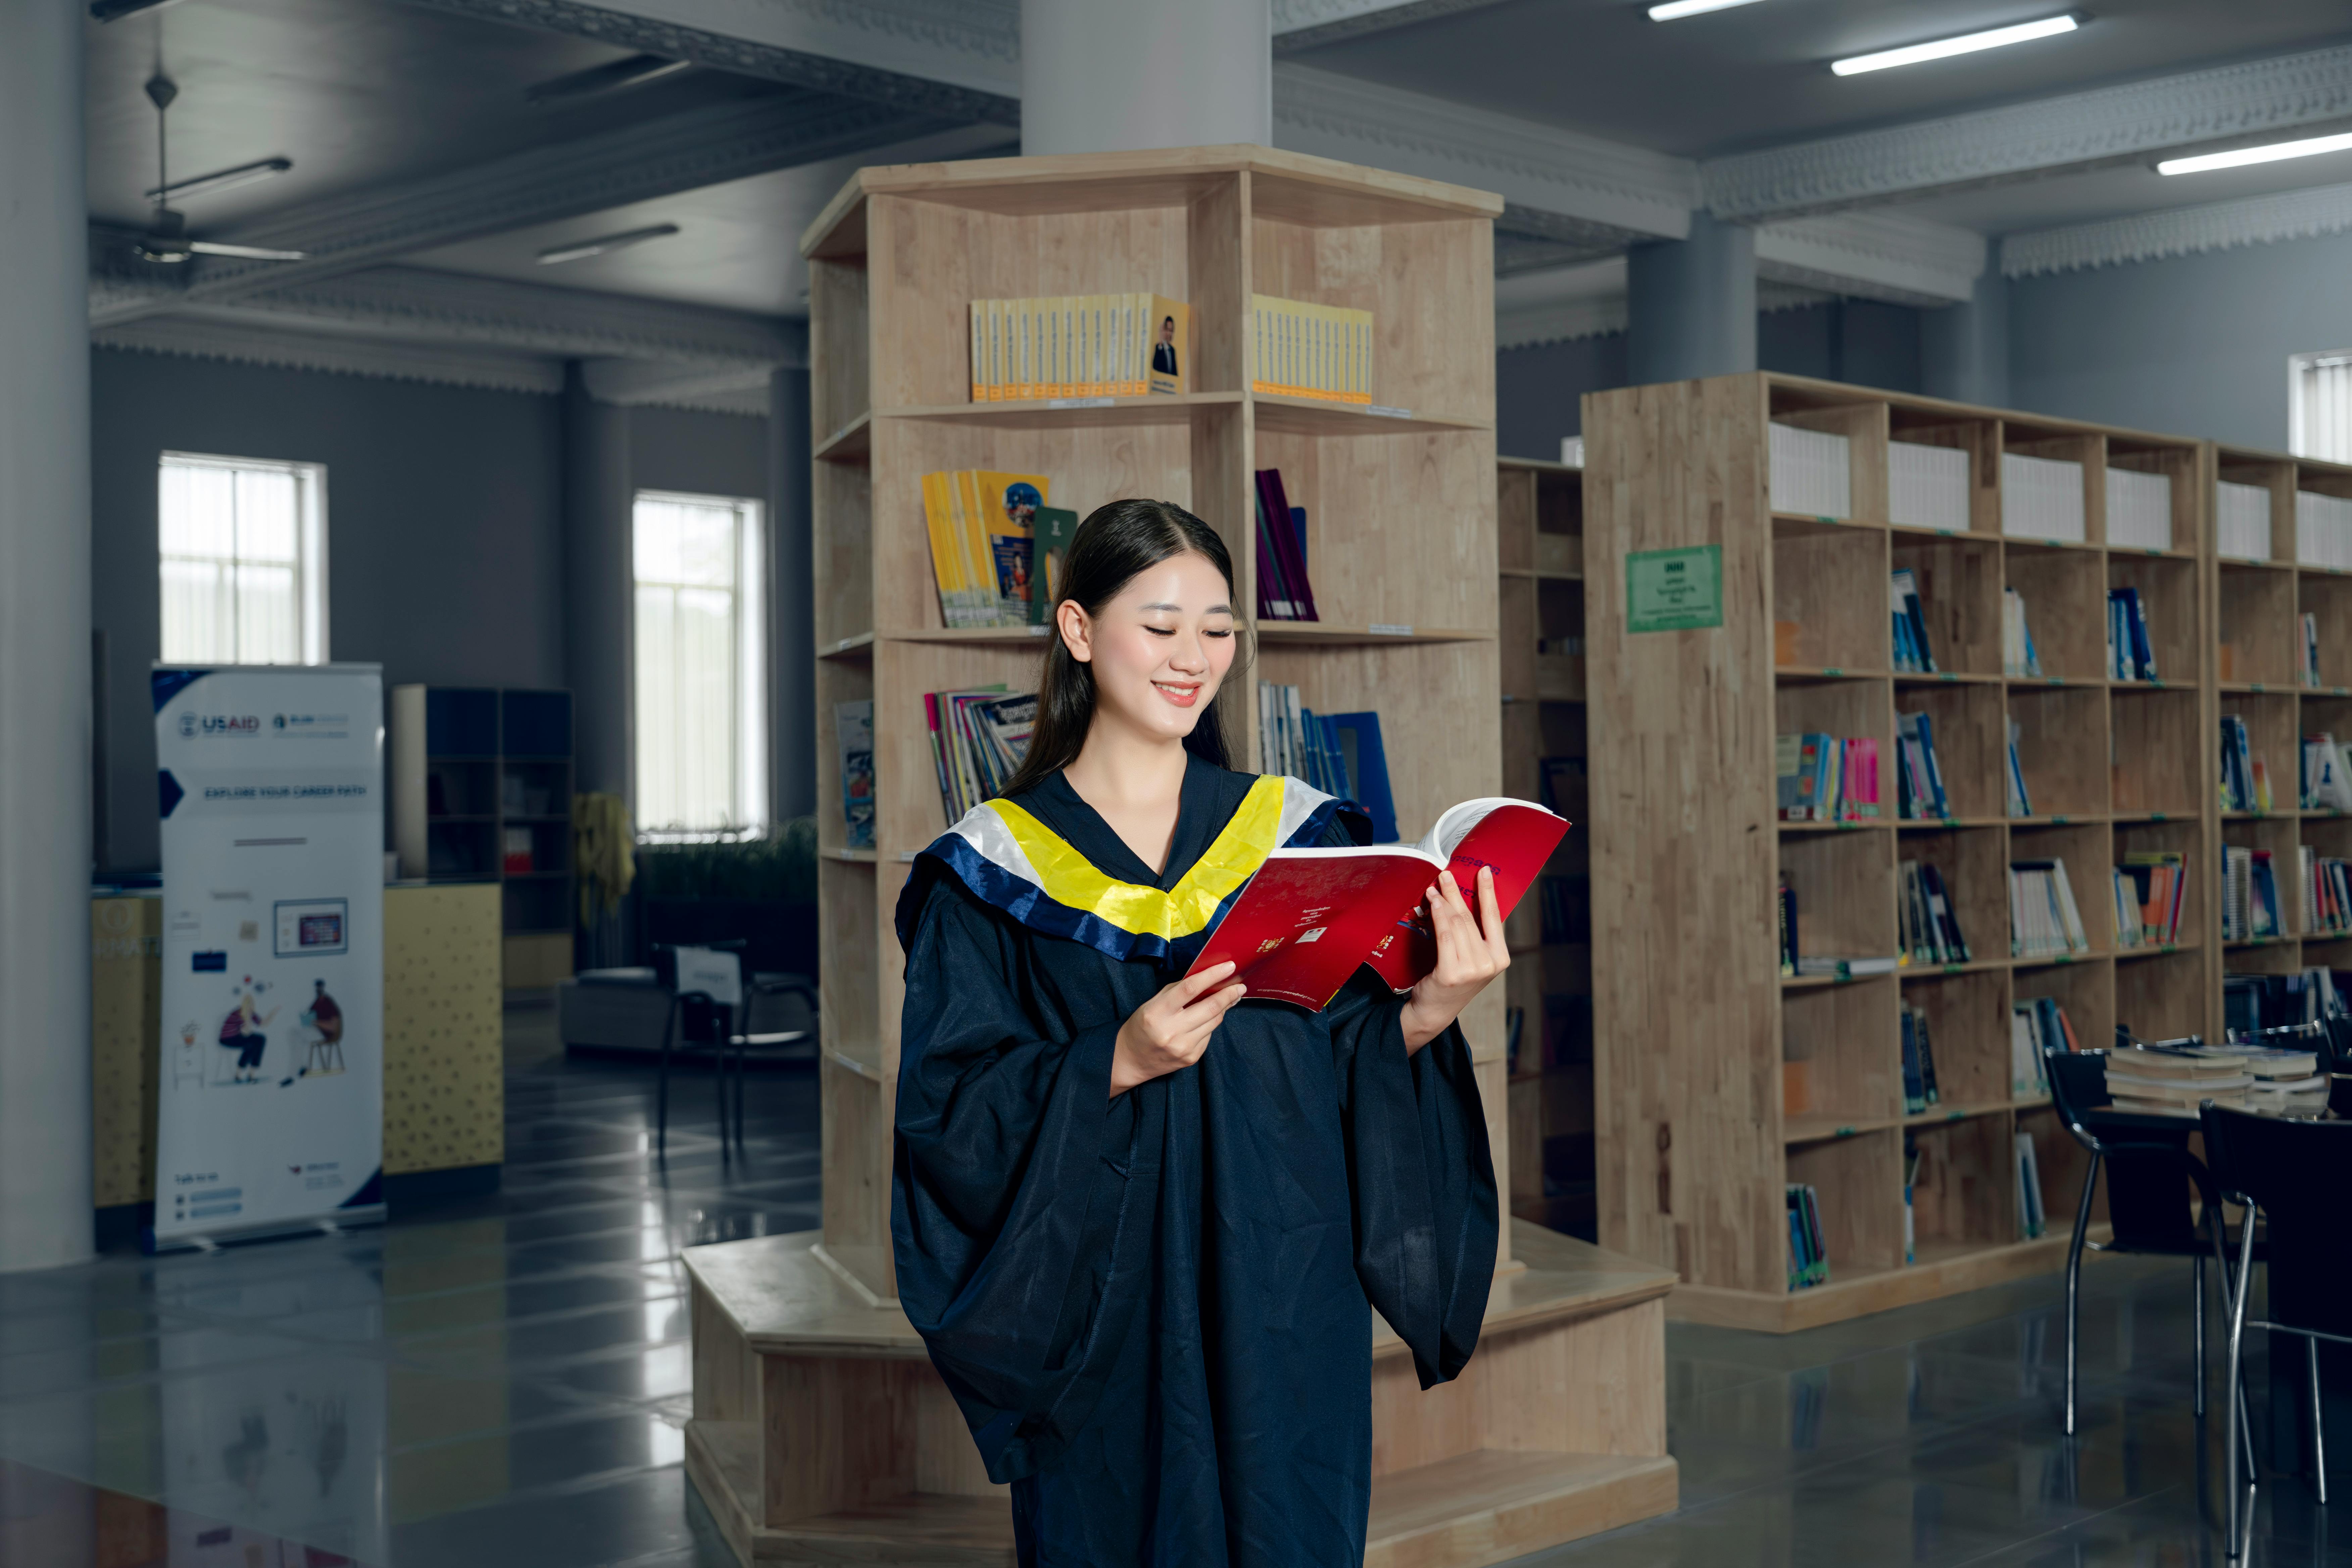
<point>1809,1257</point>
<point>1080,345</point>
<point>2031,1218</point>
<point>2173,1081</point>
<point>2130,655</point>
<point>1912,655</point>
<point>2323,781</point>
<point>1827,778</point>
<point>982,527</point>
<point>1929,926</point>
<point>1283,593</point>
<point>978,737</point>
<point>1919,1087</point>
<point>2327,893</point>
<point>1928,487</point>
<point>1918,779</point>
<point>2323,530</point>
<point>1811,472</point>
<point>2242,521</point>
<point>2149,891</point>
<point>2283,1082</point>
<point>2140,509</point>
<point>2019,657</point>
<point>2245,779</point>
<point>2036,1025</point>
<point>2043,920</point>
<point>1305,350</point>
<point>2041,498</point>
<point>2250,900</point>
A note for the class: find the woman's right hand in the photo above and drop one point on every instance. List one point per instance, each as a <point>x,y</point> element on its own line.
<point>1171,1031</point>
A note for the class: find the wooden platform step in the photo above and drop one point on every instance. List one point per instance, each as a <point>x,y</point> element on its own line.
<point>1474,1509</point>
<point>1941,1272</point>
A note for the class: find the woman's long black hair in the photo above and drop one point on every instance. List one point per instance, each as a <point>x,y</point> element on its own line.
<point>1115,545</point>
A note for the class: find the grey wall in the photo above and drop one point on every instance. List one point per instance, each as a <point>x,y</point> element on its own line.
<point>2197,345</point>
<point>702,454</point>
<point>1536,391</point>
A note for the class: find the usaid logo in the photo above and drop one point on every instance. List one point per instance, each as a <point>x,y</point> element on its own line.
<point>231,724</point>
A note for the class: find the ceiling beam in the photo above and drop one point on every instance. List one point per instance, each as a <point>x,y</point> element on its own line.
<point>1305,24</point>
<point>344,234</point>
<point>245,342</point>
<point>2108,126</point>
<point>1900,260</point>
<point>2180,231</point>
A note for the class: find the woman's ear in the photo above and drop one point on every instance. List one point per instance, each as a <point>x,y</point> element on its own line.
<point>1076,629</point>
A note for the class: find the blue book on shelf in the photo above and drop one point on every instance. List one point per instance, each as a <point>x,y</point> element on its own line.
<point>1366,764</point>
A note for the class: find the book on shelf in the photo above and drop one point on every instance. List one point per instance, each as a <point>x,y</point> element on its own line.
<point>1784,902</point>
<point>1365,764</point>
<point>2015,799</point>
<point>2041,498</point>
<point>1297,740</point>
<point>1811,471</point>
<point>2323,530</point>
<point>2140,509</point>
<point>2158,881</point>
<point>1930,929</point>
<point>514,852</point>
<point>1308,917</point>
<point>981,526</point>
<point>1822,965</point>
<point>1305,350</point>
<point>1912,654</point>
<point>2327,893</point>
<point>2324,779</point>
<point>1080,345</point>
<point>853,732</point>
<point>1918,1062</point>
<point>2242,519</point>
<point>2130,655</point>
<point>2031,1219</point>
<point>2044,919</point>
<point>978,737</point>
<point>2245,782</point>
<point>1284,592</point>
<point>1051,530</point>
<point>1911,1164</point>
<point>2036,1025</point>
<point>2019,656</point>
<point>2256,1001</point>
<point>2308,664</point>
<point>1918,776</point>
<point>1826,778</point>
<point>2250,899</point>
<point>1928,487</point>
<point>1809,1258</point>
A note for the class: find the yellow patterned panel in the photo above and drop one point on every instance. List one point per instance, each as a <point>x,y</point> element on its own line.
<point>126,984</point>
<point>443,1044</point>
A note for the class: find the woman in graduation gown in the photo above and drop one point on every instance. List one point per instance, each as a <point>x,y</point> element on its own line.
<point>1140,1221</point>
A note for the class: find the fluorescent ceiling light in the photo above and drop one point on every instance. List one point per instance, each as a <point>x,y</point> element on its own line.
<point>594,82</point>
<point>580,250</point>
<point>115,10</point>
<point>1675,10</point>
<point>1966,44</point>
<point>227,179</point>
<point>2272,154</point>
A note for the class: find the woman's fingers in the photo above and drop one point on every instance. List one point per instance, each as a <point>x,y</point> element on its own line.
<point>1490,919</point>
<point>1192,986</point>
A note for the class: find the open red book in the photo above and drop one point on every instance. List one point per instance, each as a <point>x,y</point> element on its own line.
<point>1308,917</point>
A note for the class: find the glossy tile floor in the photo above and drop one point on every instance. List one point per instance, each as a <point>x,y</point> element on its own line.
<point>504,1382</point>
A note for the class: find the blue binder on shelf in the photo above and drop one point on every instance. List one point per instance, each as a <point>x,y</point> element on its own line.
<point>1367,770</point>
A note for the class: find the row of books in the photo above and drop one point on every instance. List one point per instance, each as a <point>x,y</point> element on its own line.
<point>984,528</point>
<point>2019,657</point>
<point>1826,778</point>
<point>2041,498</point>
<point>2037,1024</point>
<point>2130,654</point>
<point>2324,779</point>
<point>1920,1090</point>
<point>1340,754</point>
<point>2323,530</point>
<point>978,739</point>
<point>1808,1254</point>
<point>1305,350</point>
<point>1928,920</point>
<point>1811,471</point>
<point>2254,1002</point>
<point>1919,777</point>
<point>2150,892</point>
<point>2250,898</point>
<point>1283,593</point>
<point>2327,893</point>
<point>1080,345</point>
<point>2242,520</point>
<point>2245,778</point>
<point>2044,919</point>
<point>1912,654</point>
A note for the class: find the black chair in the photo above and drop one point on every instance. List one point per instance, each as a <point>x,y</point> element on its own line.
<point>767,988</point>
<point>2284,1170</point>
<point>2151,1176</point>
<point>702,1018</point>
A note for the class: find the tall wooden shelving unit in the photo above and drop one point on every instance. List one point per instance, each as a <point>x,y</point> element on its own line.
<point>1693,1021</point>
<point>1539,515</point>
<point>2261,603</point>
<point>820,1430</point>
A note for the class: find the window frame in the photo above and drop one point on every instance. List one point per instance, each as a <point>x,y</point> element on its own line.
<point>2299,371</point>
<point>311,585</point>
<point>753,779</point>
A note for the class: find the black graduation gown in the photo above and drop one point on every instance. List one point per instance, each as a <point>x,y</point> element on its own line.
<point>1155,1311</point>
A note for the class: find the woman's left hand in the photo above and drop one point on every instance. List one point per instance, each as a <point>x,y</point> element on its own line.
<point>1471,951</point>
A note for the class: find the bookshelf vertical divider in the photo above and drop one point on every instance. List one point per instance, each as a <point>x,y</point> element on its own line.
<point>1698,1039</point>
<point>820,1431</point>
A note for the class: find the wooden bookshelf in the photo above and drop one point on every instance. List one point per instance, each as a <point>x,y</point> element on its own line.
<point>2261,603</point>
<point>1693,1022</point>
<point>816,1415</point>
<point>1540,517</point>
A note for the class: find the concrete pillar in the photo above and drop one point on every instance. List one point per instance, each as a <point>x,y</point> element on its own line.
<point>1691,304</point>
<point>46,1192</point>
<point>1114,76</point>
<point>598,589</point>
<point>1964,349</point>
<point>795,743</point>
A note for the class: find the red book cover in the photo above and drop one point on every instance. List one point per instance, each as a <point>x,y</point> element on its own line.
<point>1309,917</point>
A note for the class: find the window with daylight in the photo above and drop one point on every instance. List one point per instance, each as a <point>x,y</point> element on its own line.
<point>244,549</point>
<point>701,641</point>
<point>2322,406</point>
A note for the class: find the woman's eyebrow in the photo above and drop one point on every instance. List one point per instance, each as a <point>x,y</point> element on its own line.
<point>1212,610</point>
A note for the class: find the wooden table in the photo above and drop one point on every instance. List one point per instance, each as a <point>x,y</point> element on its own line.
<point>1556,1430</point>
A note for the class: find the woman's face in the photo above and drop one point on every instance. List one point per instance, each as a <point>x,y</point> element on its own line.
<point>1159,649</point>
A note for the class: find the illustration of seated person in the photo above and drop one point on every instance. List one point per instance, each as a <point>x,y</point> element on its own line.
<point>241,1032</point>
<point>327,1019</point>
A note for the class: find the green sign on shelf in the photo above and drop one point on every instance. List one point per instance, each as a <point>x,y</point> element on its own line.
<point>1673,590</point>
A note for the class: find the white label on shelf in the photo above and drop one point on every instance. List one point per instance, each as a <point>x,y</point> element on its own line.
<point>1081,402</point>
<point>1038,631</point>
<point>1386,630</point>
<point>1385,412</point>
<point>907,857</point>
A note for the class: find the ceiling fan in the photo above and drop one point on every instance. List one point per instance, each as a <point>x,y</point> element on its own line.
<point>166,240</point>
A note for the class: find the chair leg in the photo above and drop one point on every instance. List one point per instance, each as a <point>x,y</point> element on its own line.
<point>2074,1284</point>
<point>2318,1428</point>
<point>2197,1322</point>
<point>2235,1503</point>
<point>661,1094</point>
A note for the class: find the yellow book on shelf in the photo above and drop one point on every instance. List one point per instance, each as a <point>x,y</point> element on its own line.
<point>1172,346</point>
<point>1098,371</point>
<point>1057,350</point>
<point>978,351</point>
<point>996,350</point>
<point>1007,511</point>
<point>970,540</point>
<point>939,521</point>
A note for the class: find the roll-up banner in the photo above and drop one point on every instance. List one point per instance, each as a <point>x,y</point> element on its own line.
<point>269,1110</point>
